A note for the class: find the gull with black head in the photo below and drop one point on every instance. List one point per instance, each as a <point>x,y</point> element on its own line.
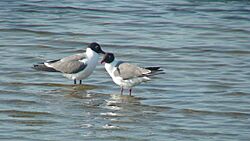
<point>75,67</point>
<point>127,75</point>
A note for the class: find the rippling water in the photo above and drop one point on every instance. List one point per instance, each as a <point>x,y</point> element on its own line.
<point>203,46</point>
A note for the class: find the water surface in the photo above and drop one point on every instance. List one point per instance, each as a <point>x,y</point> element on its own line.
<point>203,46</point>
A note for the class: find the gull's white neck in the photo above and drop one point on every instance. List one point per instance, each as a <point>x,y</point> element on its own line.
<point>91,54</point>
<point>110,67</point>
<point>91,57</point>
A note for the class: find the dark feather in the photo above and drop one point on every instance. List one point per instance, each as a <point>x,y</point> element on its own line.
<point>153,68</point>
<point>154,71</point>
<point>42,67</point>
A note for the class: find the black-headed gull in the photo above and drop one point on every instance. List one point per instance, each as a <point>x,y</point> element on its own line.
<point>127,75</point>
<point>75,67</point>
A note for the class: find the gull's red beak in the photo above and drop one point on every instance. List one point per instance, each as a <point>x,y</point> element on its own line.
<point>103,59</point>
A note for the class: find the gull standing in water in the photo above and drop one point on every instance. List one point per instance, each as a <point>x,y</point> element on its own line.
<point>75,67</point>
<point>127,75</point>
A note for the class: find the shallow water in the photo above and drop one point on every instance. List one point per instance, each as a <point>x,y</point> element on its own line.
<point>204,48</point>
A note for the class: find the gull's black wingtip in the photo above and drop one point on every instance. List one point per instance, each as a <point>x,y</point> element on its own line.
<point>42,67</point>
<point>154,68</point>
<point>155,71</point>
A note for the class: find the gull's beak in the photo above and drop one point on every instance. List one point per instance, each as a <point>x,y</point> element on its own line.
<point>103,58</point>
<point>102,61</point>
<point>102,52</point>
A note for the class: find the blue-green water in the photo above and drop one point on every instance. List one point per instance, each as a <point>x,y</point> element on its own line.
<point>203,46</point>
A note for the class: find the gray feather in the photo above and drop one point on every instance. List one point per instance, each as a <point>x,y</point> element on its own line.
<point>75,57</point>
<point>68,67</point>
<point>128,71</point>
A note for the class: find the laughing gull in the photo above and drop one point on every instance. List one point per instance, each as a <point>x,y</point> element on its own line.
<point>127,75</point>
<point>75,67</point>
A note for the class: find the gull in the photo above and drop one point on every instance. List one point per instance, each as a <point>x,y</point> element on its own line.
<point>127,75</point>
<point>75,67</point>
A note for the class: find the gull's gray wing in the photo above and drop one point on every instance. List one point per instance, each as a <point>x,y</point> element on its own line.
<point>69,64</point>
<point>78,56</point>
<point>128,71</point>
<point>68,67</point>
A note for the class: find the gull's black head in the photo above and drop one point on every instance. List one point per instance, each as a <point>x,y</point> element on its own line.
<point>96,48</point>
<point>108,58</point>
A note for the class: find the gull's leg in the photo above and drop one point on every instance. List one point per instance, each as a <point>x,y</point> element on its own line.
<point>130,90</point>
<point>121,90</point>
<point>80,81</point>
<point>74,81</point>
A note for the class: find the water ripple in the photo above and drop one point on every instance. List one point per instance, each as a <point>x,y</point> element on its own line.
<point>203,47</point>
